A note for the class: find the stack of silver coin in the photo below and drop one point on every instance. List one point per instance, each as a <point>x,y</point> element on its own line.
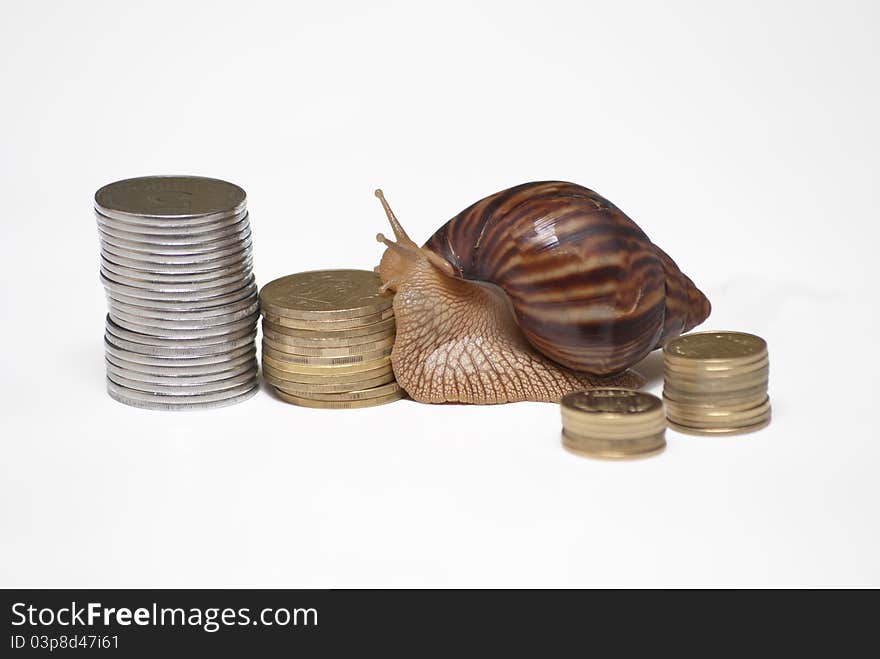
<point>176,264</point>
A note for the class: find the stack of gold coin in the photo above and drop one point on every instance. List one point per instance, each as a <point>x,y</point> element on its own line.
<point>715,383</point>
<point>613,423</point>
<point>327,339</point>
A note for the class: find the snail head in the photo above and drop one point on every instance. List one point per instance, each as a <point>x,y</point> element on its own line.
<point>403,257</point>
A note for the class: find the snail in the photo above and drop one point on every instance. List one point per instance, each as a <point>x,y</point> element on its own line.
<point>531,293</point>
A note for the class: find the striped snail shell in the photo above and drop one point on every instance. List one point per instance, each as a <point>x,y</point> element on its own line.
<point>588,288</point>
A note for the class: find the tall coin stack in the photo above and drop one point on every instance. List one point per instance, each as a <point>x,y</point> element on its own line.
<point>327,339</point>
<point>716,383</point>
<point>613,423</point>
<point>176,265</point>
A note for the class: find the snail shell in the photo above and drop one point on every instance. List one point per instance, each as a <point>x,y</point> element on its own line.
<point>588,288</point>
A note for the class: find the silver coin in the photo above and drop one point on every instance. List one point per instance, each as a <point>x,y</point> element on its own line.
<point>174,268</point>
<point>217,303</point>
<point>236,260</point>
<point>174,250</point>
<point>192,303</point>
<point>177,367</point>
<point>181,362</point>
<point>162,266</point>
<point>240,248</point>
<point>172,343</point>
<point>146,276</point>
<point>179,286</point>
<point>179,239</point>
<point>170,200</point>
<point>136,398</point>
<point>180,378</point>
<point>243,269</point>
<point>179,324</point>
<point>138,278</point>
<point>162,250</point>
<point>183,384</point>
<point>183,343</point>
<point>175,294</point>
<point>183,295</point>
<point>197,234</point>
<point>181,351</point>
<point>187,230</point>
<point>179,254</point>
<point>234,311</point>
<point>186,264</point>
<point>248,360</point>
<point>184,389</point>
<point>185,332</point>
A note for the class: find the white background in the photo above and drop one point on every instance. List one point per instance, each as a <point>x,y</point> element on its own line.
<point>741,136</point>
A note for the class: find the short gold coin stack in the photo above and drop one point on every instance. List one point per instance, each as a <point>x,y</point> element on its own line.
<point>715,383</point>
<point>327,339</point>
<point>613,423</point>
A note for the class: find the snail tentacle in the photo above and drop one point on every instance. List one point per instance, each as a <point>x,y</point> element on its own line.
<point>399,233</point>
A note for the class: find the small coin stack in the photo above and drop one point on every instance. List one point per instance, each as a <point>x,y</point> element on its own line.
<point>327,339</point>
<point>716,383</point>
<point>613,423</point>
<point>176,265</point>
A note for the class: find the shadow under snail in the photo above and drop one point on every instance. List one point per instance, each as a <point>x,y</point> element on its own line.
<point>531,293</point>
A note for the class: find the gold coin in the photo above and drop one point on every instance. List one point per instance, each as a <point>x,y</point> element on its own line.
<point>605,420</point>
<point>356,343</point>
<point>612,415</point>
<point>287,367</point>
<point>359,349</point>
<point>314,343</point>
<point>309,389</point>
<point>709,396</point>
<point>717,347</point>
<point>733,430</point>
<point>307,360</point>
<point>615,449</point>
<point>623,430</point>
<point>357,394</point>
<point>349,380</point>
<point>328,325</point>
<point>709,388</point>
<point>614,435</point>
<point>325,294</point>
<point>318,390</point>
<point>697,370</point>
<point>713,369</point>
<point>342,336</point>
<point>717,380</point>
<point>707,416</point>
<point>674,406</point>
<point>707,424</point>
<point>611,403</point>
<point>339,404</point>
<point>711,426</point>
<point>710,391</point>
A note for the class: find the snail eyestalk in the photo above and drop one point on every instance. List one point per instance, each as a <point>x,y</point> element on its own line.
<point>409,251</point>
<point>399,233</point>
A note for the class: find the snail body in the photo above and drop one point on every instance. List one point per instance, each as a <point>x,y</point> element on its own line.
<point>530,293</point>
